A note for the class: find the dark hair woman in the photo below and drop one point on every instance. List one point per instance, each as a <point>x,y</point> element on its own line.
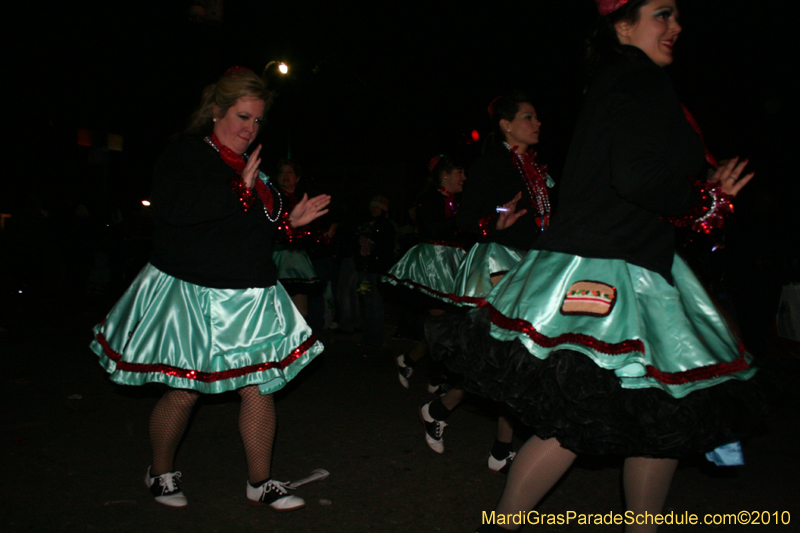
<point>429,267</point>
<point>507,183</point>
<point>206,315</point>
<point>601,339</point>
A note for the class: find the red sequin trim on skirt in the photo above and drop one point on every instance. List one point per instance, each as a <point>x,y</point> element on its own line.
<point>205,377</point>
<point>627,346</point>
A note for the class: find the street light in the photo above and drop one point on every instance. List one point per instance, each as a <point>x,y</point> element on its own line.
<point>283,68</point>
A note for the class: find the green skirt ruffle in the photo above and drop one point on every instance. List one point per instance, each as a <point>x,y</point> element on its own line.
<point>429,268</point>
<point>473,281</point>
<point>294,266</point>
<point>186,336</point>
<point>625,318</point>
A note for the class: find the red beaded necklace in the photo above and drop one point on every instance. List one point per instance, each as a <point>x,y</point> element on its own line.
<point>535,177</point>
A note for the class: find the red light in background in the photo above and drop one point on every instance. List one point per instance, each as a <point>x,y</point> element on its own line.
<point>475,135</point>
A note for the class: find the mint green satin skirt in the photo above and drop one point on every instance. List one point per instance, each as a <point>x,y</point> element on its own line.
<point>294,266</point>
<point>428,268</point>
<point>169,331</point>
<point>473,280</point>
<point>625,318</point>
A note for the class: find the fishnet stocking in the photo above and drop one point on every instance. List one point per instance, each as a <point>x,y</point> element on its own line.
<point>646,482</point>
<point>538,466</point>
<point>257,425</point>
<point>167,426</point>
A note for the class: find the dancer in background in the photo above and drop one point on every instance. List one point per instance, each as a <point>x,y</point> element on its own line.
<point>295,270</point>
<point>508,182</point>
<point>206,315</point>
<point>429,267</point>
<point>506,207</point>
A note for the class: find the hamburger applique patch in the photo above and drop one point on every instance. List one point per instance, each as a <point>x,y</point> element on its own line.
<point>589,298</point>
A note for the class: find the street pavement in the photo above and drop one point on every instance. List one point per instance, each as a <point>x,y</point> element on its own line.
<point>75,449</point>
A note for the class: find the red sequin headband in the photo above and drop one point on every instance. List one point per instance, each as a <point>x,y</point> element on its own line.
<point>609,6</point>
<point>490,109</point>
<point>238,71</point>
<point>433,162</point>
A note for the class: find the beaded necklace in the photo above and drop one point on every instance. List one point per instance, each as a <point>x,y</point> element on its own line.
<point>280,201</point>
<point>535,177</point>
<point>237,163</point>
<point>450,206</point>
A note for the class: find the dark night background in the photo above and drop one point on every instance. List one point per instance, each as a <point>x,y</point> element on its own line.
<point>375,89</point>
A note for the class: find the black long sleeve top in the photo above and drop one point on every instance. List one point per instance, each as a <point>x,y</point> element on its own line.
<point>492,181</point>
<point>433,221</point>
<point>202,233</point>
<point>630,164</point>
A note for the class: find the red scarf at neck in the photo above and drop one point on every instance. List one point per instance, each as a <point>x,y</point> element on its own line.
<point>231,158</point>
<point>237,162</point>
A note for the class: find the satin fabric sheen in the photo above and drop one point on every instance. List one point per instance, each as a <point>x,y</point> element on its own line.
<point>429,268</point>
<point>473,281</point>
<point>678,326</point>
<point>170,323</point>
<point>294,265</point>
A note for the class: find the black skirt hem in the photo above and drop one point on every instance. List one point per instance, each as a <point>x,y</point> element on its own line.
<point>568,397</point>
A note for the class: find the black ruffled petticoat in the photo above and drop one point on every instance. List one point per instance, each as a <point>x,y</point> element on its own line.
<point>418,301</point>
<point>569,397</point>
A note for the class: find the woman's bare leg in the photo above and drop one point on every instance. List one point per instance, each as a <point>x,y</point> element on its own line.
<point>301,302</point>
<point>537,468</point>
<point>505,431</point>
<point>646,482</point>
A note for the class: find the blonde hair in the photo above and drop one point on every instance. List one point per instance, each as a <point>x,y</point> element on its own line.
<point>237,82</point>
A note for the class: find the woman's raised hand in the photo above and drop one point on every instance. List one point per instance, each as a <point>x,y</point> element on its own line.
<point>729,176</point>
<point>251,168</point>
<point>509,215</point>
<point>309,209</point>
